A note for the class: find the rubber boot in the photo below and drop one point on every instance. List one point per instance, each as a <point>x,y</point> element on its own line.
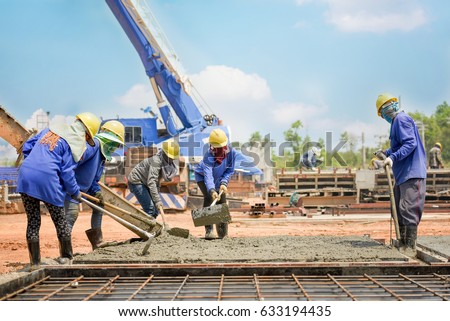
<point>34,252</point>
<point>402,240</point>
<point>411,239</point>
<point>65,251</point>
<point>209,232</point>
<point>95,236</point>
<point>222,230</point>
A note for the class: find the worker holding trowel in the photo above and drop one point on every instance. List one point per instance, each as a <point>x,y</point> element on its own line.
<point>213,174</point>
<point>88,172</point>
<point>408,161</point>
<point>143,180</point>
<point>47,174</point>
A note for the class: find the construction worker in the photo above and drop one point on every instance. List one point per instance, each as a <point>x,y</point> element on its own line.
<point>47,175</point>
<point>435,157</point>
<point>310,159</point>
<point>213,174</point>
<point>88,172</point>
<point>407,158</point>
<point>143,180</point>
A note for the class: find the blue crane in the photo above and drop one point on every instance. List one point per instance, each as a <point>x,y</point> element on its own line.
<point>168,82</point>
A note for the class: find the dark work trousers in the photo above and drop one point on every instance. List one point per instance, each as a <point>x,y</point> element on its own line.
<point>33,210</point>
<point>207,199</point>
<point>410,201</point>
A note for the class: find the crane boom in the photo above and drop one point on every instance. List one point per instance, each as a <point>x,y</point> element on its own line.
<point>138,23</point>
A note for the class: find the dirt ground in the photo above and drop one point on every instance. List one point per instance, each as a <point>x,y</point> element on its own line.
<point>14,254</point>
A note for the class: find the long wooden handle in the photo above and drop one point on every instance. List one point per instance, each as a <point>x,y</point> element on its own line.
<point>92,198</point>
<point>143,234</point>
<point>392,198</point>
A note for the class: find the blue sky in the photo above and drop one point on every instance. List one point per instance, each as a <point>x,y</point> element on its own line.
<point>260,64</point>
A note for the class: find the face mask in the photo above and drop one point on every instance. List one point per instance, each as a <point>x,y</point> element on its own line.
<point>389,112</point>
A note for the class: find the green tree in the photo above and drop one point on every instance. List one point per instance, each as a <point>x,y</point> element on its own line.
<point>292,159</point>
<point>256,139</point>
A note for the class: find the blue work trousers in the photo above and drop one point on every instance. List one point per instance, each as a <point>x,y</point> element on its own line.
<point>144,198</point>
<point>410,201</point>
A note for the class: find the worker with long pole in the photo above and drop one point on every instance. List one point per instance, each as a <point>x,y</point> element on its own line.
<point>406,156</point>
<point>88,172</point>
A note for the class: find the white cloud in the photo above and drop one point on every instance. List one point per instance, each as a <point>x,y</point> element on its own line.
<point>245,104</point>
<point>40,120</point>
<point>224,83</point>
<point>287,113</point>
<point>375,15</point>
<point>8,153</point>
<point>138,96</point>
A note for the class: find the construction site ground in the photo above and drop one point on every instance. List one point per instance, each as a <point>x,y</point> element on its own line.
<point>263,239</point>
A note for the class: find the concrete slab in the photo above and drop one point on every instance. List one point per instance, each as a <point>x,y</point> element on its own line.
<point>437,244</point>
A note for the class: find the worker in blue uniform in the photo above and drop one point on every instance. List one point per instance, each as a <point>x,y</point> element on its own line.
<point>47,175</point>
<point>407,158</point>
<point>310,159</point>
<point>213,174</point>
<point>88,172</point>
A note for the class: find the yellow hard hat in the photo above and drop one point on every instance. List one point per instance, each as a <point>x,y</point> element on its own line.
<point>218,138</point>
<point>171,148</point>
<point>116,128</point>
<point>90,121</point>
<point>439,145</point>
<point>383,99</point>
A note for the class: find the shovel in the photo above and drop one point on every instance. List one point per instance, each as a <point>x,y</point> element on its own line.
<point>175,231</point>
<point>382,156</point>
<point>212,214</point>
<point>144,223</point>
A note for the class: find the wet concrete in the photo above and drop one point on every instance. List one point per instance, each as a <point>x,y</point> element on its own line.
<point>439,244</point>
<point>170,249</point>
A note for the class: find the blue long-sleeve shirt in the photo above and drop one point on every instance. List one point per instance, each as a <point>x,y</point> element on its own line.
<point>406,150</point>
<point>213,173</point>
<point>47,175</point>
<point>89,170</point>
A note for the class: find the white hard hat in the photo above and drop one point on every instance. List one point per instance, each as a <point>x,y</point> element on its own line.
<point>316,151</point>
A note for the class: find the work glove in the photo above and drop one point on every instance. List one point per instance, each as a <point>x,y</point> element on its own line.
<point>223,189</point>
<point>380,154</point>
<point>160,208</point>
<point>213,194</point>
<point>77,197</point>
<point>388,161</point>
<point>101,201</point>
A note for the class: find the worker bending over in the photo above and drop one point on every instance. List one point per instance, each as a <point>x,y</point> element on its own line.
<point>47,175</point>
<point>435,157</point>
<point>144,179</point>
<point>407,158</point>
<point>213,174</point>
<point>88,172</point>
